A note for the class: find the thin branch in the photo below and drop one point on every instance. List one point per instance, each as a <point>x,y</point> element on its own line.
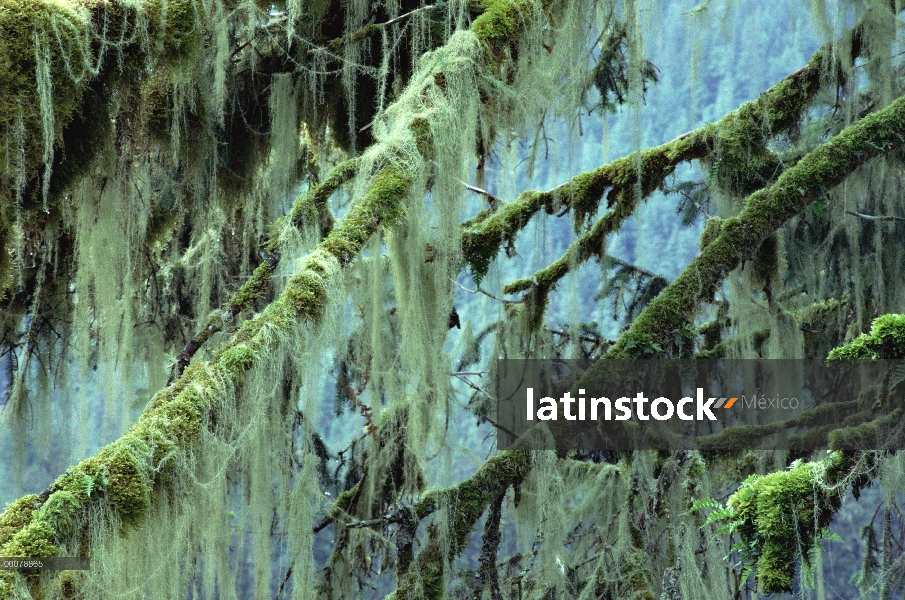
<point>409,15</point>
<point>274,21</point>
<point>478,388</point>
<point>874,217</point>
<point>494,201</point>
<point>627,265</point>
<point>488,294</point>
<point>582,337</point>
<point>367,31</point>
<point>694,203</point>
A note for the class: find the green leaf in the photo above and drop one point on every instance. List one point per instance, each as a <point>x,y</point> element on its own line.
<point>898,375</point>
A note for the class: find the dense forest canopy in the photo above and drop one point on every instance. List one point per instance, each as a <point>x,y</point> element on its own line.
<point>257,261</point>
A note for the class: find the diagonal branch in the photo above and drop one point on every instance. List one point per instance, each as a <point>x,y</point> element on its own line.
<point>311,207</point>
<point>765,211</point>
<point>175,418</point>
<point>631,179</point>
<point>465,502</point>
<point>874,217</point>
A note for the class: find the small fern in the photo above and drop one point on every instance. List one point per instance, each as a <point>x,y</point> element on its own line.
<point>898,375</point>
<point>720,513</point>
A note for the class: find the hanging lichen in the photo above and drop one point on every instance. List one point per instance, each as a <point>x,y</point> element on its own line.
<point>210,114</point>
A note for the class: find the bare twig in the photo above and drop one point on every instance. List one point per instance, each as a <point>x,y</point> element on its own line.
<point>875,217</point>
<point>488,294</point>
<point>409,15</point>
<point>493,200</point>
<point>694,203</point>
<point>627,265</point>
<point>582,337</point>
<point>478,388</point>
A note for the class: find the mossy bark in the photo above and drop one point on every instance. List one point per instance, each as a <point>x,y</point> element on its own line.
<point>739,140</point>
<point>774,112</point>
<point>310,208</point>
<point>765,211</point>
<point>133,468</point>
<point>781,517</point>
<point>465,503</point>
<point>126,472</point>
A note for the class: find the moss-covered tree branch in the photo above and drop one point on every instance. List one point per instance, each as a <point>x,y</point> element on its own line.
<point>765,211</point>
<point>740,139</point>
<point>591,243</point>
<point>129,471</point>
<point>307,209</point>
<point>465,503</point>
<point>772,537</point>
<point>126,472</point>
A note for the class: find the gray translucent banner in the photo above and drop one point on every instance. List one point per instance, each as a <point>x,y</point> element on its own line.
<point>716,406</point>
<point>54,563</point>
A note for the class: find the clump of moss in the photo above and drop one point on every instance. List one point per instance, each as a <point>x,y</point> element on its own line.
<point>129,486</point>
<point>500,24</point>
<point>487,233</point>
<point>712,228</point>
<point>16,516</point>
<point>886,340</point>
<point>33,541</point>
<point>783,515</point>
<point>29,31</point>
<point>382,202</point>
<point>81,482</point>
<point>813,315</point>
<point>59,511</point>
<point>119,473</point>
<point>884,431</point>
<point>174,26</point>
<point>7,580</point>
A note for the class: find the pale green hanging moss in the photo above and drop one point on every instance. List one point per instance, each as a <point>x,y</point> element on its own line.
<point>284,145</point>
<point>256,359</point>
<point>50,58</point>
<point>126,469</point>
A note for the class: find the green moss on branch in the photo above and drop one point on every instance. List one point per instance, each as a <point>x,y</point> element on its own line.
<point>124,472</point>
<point>885,340</point>
<point>57,40</point>
<point>765,211</point>
<point>781,516</point>
<point>16,516</point>
<point>775,112</point>
<point>315,201</point>
<point>465,503</point>
<point>311,207</point>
